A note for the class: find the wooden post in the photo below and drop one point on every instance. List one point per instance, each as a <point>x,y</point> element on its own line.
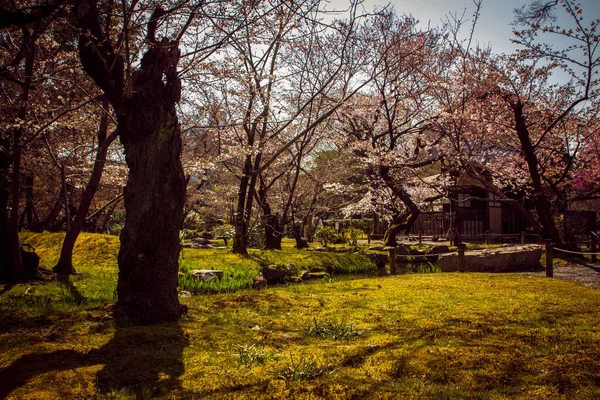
<point>420,237</point>
<point>392,257</point>
<point>593,247</point>
<point>549,265</point>
<point>522,237</point>
<point>461,257</point>
<point>487,237</point>
<point>369,238</point>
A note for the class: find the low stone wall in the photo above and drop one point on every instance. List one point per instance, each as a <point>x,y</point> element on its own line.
<point>505,259</point>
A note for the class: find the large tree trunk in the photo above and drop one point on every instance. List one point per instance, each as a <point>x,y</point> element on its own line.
<point>154,198</point>
<point>155,192</point>
<point>389,238</point>
<point>540,200</point>
<point>18,270</point>
<point>64,266</point>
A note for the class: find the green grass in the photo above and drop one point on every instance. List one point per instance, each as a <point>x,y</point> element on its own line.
<point>431,336</point>
<point>95,257</point>
<point>239,271</point>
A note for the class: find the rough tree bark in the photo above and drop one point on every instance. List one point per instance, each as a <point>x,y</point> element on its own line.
<point>540,200</point>
<point>18,270</point>
<point>154,196</point>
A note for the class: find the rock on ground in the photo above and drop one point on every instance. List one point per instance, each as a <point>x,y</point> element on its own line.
<point>507,259</point>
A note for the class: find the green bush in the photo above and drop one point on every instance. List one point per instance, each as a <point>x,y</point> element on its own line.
<point>325,235</point>
<point>187,234</point>
<point>352,235</point>
<point>225,230</point>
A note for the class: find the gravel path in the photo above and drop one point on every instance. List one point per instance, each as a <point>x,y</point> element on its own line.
<point>581,272</point>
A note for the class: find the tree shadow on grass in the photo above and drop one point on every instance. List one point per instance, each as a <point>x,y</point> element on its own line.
<point>74,293</point>
<point>262,261</point>
<point>141,360</point>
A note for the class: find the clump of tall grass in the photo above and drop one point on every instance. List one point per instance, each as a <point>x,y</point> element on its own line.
<point>335,329</point>
<point>231,281</point>
<point>303,369</point>
<point>249,355</point>
<point>428,268</point>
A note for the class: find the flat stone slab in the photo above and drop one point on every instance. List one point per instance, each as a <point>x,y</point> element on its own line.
<point>207,274</point>
<point>506,259</point>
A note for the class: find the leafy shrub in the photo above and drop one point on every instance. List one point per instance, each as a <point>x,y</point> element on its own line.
<point>352,234</point>
<point>339,239</point>
<point>186,234</point>
<point>115,229</point>
<point>364,224</point>
<point>225,230</point>
<point>116,223</point>
<point>192,220</point>
<point>325,235</point>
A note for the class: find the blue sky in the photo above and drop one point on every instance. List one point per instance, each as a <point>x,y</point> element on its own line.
<point>493,26</point>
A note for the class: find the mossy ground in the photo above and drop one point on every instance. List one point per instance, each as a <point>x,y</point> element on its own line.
<point>433,336</point>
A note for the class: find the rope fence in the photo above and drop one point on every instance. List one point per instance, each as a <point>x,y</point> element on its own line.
<point>580,253</point>
<point>549,250</point>
<point>589,241</point>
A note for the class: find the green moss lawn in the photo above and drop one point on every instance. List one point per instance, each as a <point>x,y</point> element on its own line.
<point>431,336</point>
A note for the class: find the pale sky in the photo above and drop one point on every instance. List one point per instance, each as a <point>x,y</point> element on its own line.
<point>493,26</point>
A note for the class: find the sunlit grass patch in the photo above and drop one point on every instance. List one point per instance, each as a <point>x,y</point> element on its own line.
<point>429,336</point>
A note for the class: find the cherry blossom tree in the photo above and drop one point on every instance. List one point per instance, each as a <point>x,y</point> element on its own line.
<point>388,127</point>
<point>261,119</point>
<point>536,129</point>
<point>28,64</point>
